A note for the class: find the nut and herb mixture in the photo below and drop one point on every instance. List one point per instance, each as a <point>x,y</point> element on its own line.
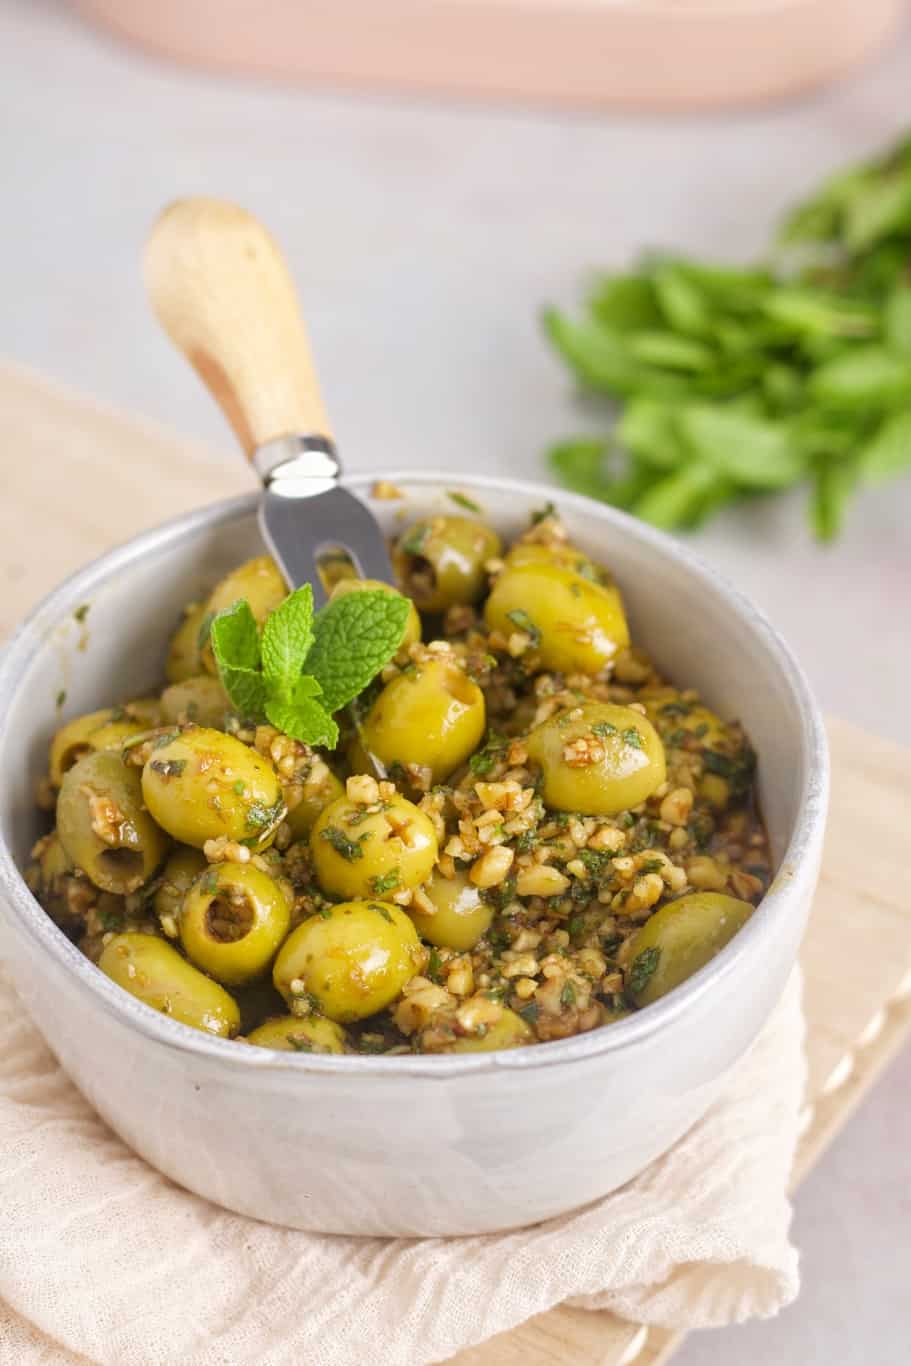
<point>465,816</point>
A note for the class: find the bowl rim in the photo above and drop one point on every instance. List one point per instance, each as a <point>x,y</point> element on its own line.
<point>31,637</point>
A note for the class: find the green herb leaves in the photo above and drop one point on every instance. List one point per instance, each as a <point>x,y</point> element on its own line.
<point>306,666</point>
<point>735,382</point>
<point>643,968</point>
<point>353,637</point>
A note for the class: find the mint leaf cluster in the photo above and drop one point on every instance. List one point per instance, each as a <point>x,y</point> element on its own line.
<point>724,382</point>
<point>305,666</point>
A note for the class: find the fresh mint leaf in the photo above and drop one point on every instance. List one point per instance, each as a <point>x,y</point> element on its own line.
<point>864,375</point>
<point>626,302</point>
<point>353,638</point>
<point>888,452</point>
<point>752,451</point>
<point>670,351</point>
<point>287,637</point>
<point>683,303</point>
<point>678,498</point>
<point>235,637</point>
<point>302,714</point>
<point>897,319</point>
<point>235,644</point>
<point>648,431</point>
<point>833,484</point>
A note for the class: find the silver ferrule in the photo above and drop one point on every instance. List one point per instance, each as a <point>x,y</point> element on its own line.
<point>297,466</point>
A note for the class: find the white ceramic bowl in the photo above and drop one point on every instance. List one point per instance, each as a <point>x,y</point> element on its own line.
<point>407,1145</point>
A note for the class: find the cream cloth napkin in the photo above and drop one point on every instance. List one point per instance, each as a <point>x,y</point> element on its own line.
<point>104,1261</point>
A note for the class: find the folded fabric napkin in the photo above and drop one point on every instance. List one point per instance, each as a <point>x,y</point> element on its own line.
<point>104,1261</point>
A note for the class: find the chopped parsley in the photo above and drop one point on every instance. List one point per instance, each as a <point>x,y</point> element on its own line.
<point>463,501</point>
<point>568,994</point>
<point>81,612</point>
<point>603,729</point>
<point>385,882</point>
<point>381,910</point>
<point>61,697</point>
<point>595,860</point>
<point>262,817</point>
<point>631,737</point>
<point>529,1012</point>
<point>349,849</point>
<point>541,514</point>
<point>485,759</point>
<point>412,542</point>
<point>168,768</point>
<point>520,618</point>
<point>713,762</point>
<point>166,738</point>
<point>643,969</point>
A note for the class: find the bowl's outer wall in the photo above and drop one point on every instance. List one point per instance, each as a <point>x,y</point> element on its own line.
<point>394,1152</point>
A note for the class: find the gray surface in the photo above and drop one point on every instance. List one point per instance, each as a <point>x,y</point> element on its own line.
<point>424,237</point>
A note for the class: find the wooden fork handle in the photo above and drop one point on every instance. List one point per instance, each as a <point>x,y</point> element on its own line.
<point>221,289</point>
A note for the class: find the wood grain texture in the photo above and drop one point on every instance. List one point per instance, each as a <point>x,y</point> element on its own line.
<point>222,291</point>
<point>65,475</point>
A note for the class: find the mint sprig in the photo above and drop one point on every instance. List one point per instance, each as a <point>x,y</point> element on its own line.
<point>304,667</point>
<point>353,638</point>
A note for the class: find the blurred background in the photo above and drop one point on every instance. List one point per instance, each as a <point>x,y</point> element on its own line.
<point>438,174</point>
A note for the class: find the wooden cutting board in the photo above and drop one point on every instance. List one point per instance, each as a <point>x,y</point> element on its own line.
<point>80,477</point>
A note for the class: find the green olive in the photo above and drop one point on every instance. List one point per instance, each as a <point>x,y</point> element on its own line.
<point>259,581</point>
<point>576,625</point>
<point>47,876</point>
<point>671,714</point>
<point>54,861</point>
<point>696,728</point>
<point>462,915</point>
<point>679,939</point>
<point>559,553</point>
<point>360,852</point>
<point>441,561</point>
<point>183,659</point>
<point>201,699</point>
<point>145,710</point>
<point>154,972</point>
<point>104,826</point>
<point>599,759</point>
<point>233,920</point>
<point>412,625</point>
<point>105,729</point>
<point>509,1031</point>
<point>353,959</point>
<point>321,787</point>
<point>201,784</point>
<point>431,715</point>
<point>307,1034</point>
<point>182,867</point>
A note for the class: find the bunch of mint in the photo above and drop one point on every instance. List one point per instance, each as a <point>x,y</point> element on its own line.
<point>305,666</point>
<point>737,382</point>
